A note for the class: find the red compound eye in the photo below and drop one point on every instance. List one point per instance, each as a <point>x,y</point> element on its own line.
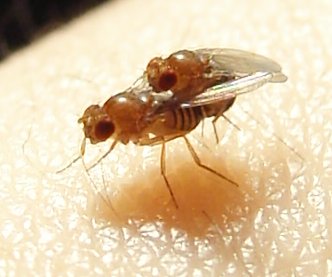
<point>104,129</point>
<point>167,80</point>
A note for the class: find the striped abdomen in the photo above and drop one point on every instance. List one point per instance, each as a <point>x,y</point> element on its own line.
<point>186,119</point>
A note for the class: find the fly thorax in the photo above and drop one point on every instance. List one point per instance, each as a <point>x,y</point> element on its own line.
<point>127,113</point>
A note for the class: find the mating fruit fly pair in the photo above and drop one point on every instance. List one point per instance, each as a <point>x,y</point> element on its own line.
<point>173,96</point>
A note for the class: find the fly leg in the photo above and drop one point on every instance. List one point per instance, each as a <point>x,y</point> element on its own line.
<point>200,164</point>
<point>103,156</point>
<point>162,141</point>
<point>215,129</point>
<point>79,157</point>
<point>157,140</point>
<point>163,173</point>
<point>258,122</point>
<point>214,121</point>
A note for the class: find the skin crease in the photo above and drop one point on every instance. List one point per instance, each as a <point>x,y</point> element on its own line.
<point>276,223</point>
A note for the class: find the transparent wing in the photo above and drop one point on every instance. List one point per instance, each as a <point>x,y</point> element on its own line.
<point>230,89</point>
<point>250,71</point>
<point>241,63</point>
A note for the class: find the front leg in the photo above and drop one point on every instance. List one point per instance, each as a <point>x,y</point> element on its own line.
<point>157,140</point>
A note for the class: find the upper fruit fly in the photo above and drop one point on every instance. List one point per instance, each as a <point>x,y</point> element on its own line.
<point>190,73</point>
<point>173,96</point>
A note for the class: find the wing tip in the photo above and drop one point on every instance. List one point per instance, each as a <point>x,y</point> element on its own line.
<point>279,78</point>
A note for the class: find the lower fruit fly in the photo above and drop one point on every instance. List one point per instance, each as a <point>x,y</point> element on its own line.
<point>173,96</point>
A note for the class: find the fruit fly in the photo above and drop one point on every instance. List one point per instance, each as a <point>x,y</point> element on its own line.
<point>173,96</point>
<point>190,73</point>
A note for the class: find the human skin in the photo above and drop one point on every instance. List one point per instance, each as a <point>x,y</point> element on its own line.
<point>276,223</point>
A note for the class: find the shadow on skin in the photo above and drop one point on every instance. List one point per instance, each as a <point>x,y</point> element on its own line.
<point>205,201</point>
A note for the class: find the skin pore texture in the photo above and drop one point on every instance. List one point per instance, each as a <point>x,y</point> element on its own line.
<point>278,222</point>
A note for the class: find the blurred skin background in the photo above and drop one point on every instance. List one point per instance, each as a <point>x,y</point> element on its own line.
<point>22,21</point>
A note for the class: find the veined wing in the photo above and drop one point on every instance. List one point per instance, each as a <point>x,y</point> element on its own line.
<point>230,89</point>
<point>241,63</point>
